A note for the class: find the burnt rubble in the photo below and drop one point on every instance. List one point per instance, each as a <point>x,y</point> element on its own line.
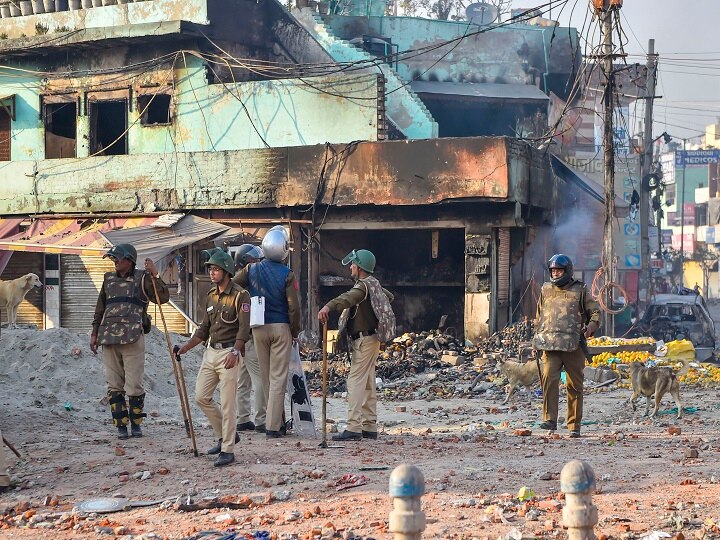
<point>449,364</point>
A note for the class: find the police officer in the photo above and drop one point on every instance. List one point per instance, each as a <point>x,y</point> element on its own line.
<point>274,281</point>
<point>118,325</point>
<point>226,328</point>
<point>249,376</point>
<point>362,329</point>
<point>566,314</point>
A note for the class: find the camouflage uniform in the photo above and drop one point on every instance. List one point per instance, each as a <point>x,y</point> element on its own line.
<point>562,313</point>
<point>362,328</point>
<point>118,323</point>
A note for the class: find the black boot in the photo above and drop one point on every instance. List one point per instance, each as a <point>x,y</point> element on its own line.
<point>225,458</point>
<point>245,426</point>
<point>347,436</point>
<point>137,404</point>
<point>549,424</point>
<point>119,412</point>
<point>218,447</point>
<point>369,434</point>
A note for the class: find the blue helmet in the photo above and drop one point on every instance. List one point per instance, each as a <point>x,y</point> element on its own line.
<point>560,260</point>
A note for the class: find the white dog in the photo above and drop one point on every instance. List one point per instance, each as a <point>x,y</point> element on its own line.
<point>12,293</point>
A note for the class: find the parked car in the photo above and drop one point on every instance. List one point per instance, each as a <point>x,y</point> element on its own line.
<point>679,316</point>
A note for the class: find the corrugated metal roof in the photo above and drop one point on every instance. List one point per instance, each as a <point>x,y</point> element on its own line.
<point>522,92</point>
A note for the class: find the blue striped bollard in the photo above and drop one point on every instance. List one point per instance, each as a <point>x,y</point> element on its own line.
<point>407,486</point>
<point>580,515</point>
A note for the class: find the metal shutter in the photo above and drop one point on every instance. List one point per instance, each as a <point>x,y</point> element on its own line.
<point>30,310</point>
<point>175,322</point>
<point>504,265</point>
<point>80,281</point>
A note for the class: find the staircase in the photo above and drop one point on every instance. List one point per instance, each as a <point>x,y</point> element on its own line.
<point>403,108</point>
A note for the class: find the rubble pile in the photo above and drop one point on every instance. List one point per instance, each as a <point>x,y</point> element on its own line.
<point>449,365</point>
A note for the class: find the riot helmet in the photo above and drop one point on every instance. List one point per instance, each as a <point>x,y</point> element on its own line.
<point>222,260</point>
<point>560,260</point>
<point>123,251</point>
<point>362,257</point>
<point>275,244</point>
<point>246,254</point>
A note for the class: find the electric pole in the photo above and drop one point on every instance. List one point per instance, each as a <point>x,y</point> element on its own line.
<point>646,162</point>
<point>605,10</point>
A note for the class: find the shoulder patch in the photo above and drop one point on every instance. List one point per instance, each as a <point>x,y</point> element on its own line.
<point>245,307</point>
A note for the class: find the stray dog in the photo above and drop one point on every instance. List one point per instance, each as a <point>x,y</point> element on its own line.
<point>12,293</point>
<point>657,381</point>
<point>519,375</point>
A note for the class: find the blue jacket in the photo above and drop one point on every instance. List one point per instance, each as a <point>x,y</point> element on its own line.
<point>268,278</point>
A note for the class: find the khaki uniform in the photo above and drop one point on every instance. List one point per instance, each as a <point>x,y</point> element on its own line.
<point>118,324</point>
<point>562,313</point>
<point>362,325</point>
<point>227,319</point>
<point>4,477</point>
<point>273,343</point>
<point>249,378</point>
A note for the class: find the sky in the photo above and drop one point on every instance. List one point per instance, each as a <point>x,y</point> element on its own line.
<point>685,33</point>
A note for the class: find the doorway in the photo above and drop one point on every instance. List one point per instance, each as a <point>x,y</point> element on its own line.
<point>60,130</point>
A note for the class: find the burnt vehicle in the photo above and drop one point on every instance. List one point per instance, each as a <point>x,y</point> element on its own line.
<point>678,316</point>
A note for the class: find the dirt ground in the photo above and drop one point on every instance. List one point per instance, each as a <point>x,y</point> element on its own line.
<point>473,458</point>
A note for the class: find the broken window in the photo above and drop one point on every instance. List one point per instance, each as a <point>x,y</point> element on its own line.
<point>108,127</point>
<point>154,109</point>
<point>5,135</point>
<point>60,121</point>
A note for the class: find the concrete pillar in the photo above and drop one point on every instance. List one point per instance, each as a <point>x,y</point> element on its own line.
<point>407,485</point>
<point>577,482</point>
<point>52,290</point>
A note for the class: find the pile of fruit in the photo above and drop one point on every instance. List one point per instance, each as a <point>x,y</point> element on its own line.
<point>705,375</point>
<point>624,357</point>
<point>606,341</point>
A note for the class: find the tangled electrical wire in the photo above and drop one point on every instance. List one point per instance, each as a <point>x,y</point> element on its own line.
<point>600,289</point>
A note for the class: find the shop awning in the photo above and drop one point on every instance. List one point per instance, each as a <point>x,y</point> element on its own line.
<point>74,236</point>
<point>592,188</point>
<point>165,235</point>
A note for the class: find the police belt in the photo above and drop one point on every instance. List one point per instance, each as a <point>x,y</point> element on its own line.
<point>364,334</point>
<point>218,346</point>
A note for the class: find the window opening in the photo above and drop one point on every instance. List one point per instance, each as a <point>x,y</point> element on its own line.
<point>108,127</point>
<point>60,130</point>
<point>156,109</point>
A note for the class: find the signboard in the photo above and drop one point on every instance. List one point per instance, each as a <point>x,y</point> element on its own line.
<point>689,158</point>
<point>667,237</point>
<point>710,235</point>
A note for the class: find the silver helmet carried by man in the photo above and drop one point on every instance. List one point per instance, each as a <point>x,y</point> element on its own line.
<point>276,244</point>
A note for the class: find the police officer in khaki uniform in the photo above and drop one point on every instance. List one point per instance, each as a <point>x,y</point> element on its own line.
<point>226,328</point>
<point>275,282</point>
<point>249,377</point>
<point>4,477</point>
<point>362,329</point>
<point>566,314</point>
<point>119,322</point>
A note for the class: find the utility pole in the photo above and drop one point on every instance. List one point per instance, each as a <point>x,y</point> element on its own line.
<point>682,219</point>
<point>646,162</point>
<point>605,9</point>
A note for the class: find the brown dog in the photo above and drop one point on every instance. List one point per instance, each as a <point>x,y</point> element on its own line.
<point>657,381</point>
<point>519,375</point>
<point>12,293</point>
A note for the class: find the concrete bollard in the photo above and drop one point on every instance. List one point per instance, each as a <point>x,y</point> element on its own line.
<point>407,485</point>
<point>580,515</point>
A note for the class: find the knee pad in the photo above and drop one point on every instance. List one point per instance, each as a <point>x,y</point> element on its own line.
<point>118,409</point>
<point>137,404</point>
